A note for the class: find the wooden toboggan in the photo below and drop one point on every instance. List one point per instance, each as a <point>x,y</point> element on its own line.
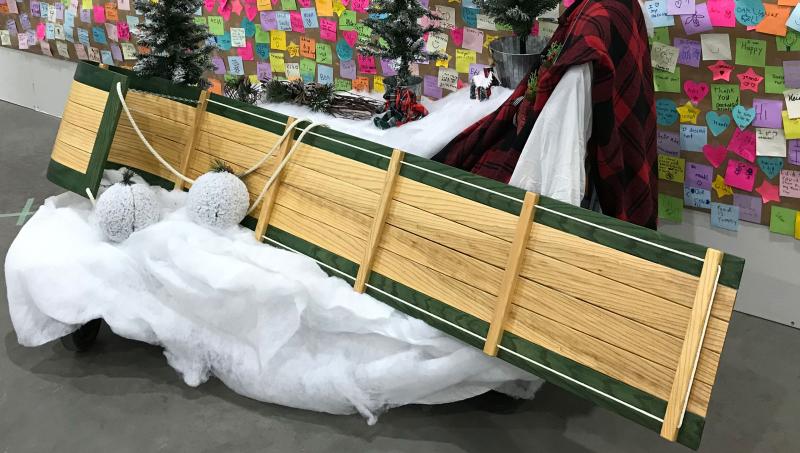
<point>628,318</point>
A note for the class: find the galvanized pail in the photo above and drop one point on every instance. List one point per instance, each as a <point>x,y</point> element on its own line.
<point>511,66</point>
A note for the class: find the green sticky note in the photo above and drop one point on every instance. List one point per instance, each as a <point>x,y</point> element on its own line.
<point>347,21</point>
<point>342,85</point>
<point>751,52</point>
<point>667,82</point>
<point>288,5</point>
<point>773,80</point>
<point>788,43</point>
<point>781,220</point>
<point>200,20</point>
<point>324,54</point>
<point>215,25</point>
<point>724,96</point>
<point>364,33</point>
<point>661,34</point>
<point>307,68</point>
<point>262,36</point>
<point>670,208</point>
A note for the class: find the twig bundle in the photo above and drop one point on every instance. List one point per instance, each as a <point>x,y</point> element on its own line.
<point>322,98</point>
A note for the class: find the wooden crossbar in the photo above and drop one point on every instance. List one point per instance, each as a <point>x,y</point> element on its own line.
<point>693,341</point>
<point>194,135</point>
<point>511,274</point>
<point>268,204</point>
<point>379,221</point>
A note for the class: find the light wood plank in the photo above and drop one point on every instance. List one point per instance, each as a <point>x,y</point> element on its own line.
<point>88,96</point>
<point>244,134</point>
<point>194,132</point>
<point>151,125</point>
<point>76,135</point>
<point>379,221</point>
<point>233,152</point>
<point>272,193</point>
<point>70,156</point>
<point>160,107</point>
<point>685,373</point>
<point>84,116</point>
<point>511,273</point>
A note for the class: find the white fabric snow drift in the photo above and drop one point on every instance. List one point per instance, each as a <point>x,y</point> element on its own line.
<point>267,322</point>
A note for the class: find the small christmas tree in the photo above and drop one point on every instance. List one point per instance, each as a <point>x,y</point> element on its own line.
<point>517,14</point>
<point>397,34</point>
<point>178,47</point>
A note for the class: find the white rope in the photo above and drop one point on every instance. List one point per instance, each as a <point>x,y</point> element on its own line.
<point>283,163</point>
<point>702,339</point>
<point>289,129</point>
<point>144,140</point>
<point>91,197</point>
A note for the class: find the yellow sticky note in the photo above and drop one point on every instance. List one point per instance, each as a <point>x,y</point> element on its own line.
<point>338,7</point>
<point>444,62</point>
<point>797,225</point>
<point>293,49</point>
<point>721,188</point>
<point>671,168</point>
<point>253,79</point>
<point>86,4</point>
<point>791,127</point>
<point>264,5</point>
<point>324,8</point>
<point>464,58</point>
<point>277,40</point>
<point>377,83</point>
<point>277,62</point>
<point>487,39</point>
<point>688,113</point>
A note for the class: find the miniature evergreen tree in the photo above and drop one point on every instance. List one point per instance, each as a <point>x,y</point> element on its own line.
<point>517,14</point>
<point>178,47</point>
<point>397,34</point>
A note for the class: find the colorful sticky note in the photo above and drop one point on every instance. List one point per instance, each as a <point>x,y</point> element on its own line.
<point>743,116</point>
<point>695,90</point>
<point>697,22</point>
<point>671,168</point>
<point>775,19</point>
<point>721,13</point>
<point>724,96</point>
<point>751,52</point>
<point>717,123</point>
<point>782,220</point>
<point>667,82</point>
<point>216,25</point>
<point>668,143</point>
<point>715,154</point>
<point>664,57</point>
<point>723,190</point>
<point>277,62</point>
<point>670,208</point>
<point>327,29</point>
<point>749,207</point>
<point>741,175</point>
<point>464,58</point>
<point>676,7</point>
<point>743,143</point>
<point>688,113</point>
<point>791,73</point>
<point>769,192</point>
<point>792,99</point>
<point>721,71</point>
<point>750,12</point>
<point>790,183</point>
<point>347,69</point>
<point>774,80</point>
<point>725,216</point>
<point>698,175</point>
<point>366,64</point>
<point>666,113</point>
<point>693,138</point>
<point>324,53</point>
<point>277,41</point>
<point>697,198</point>
<point>770,142</point>
<point>235,65</point>
<point>794,19</point>
<point>749,80</point>
<point>716,46</point>
<point>657,10</point>
<point>325,74</point>
<point>771,166</point>
<point>791,128</point>
<point>689,52</point>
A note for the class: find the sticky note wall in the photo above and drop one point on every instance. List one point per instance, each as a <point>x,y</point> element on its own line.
<point>310,39</point>
<point>727,81</point>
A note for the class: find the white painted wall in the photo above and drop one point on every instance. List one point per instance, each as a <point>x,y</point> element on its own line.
<point>770,287</point>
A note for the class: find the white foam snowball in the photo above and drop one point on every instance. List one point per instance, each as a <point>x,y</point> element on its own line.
<point>218,200</point>
<point>125,208</point>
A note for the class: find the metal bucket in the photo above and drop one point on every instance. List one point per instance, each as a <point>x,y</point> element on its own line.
<point>510,66</point>
<point>415,85</point>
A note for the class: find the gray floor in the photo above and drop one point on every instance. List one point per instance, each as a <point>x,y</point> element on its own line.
<point>123,397</point>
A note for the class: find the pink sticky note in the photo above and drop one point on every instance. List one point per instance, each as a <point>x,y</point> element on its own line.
<point>790,183</point>
<point>568,3</point>
<point>246,52</point>
<point>123,31</point>
<point>251,9</point>
<point>304,3</point>
<point>473,39</point>
<point>350,36</point>
<point>676,7</point>
<point>769,192</point>
<point>99,14</point>
<point>236,6</point>
<point>749,80</point>
<point>327,29</point>
<point>715,154</point>
<point>697,22</point>
<point>458,36</point>
<point>366,64</point>
<point>721,71</point>
<point>721,13</point>
<point>768,113</point>
<point>695,90</point>
<point>297,21</point>
<point>359,6</point>
<point>41,30</point>
<point>209,4</point>
<point>743,143</point>
<point>740,175</point>
<point>224,10</point>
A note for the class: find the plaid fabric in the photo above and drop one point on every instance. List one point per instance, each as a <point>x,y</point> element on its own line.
<point>401,107</point>
<point>621,154</point>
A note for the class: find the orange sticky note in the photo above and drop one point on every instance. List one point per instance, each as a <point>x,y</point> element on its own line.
<point>308,47</point>
<point>788,2</point>
<point>111,11</point>
<point>264,5</point>
<point>361,84</point>
<point>216,86</point>
<point>324,7</point>
<point>774,22</point>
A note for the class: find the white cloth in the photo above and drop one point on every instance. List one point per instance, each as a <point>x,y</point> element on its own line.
<point>552,161</point>
<point>268,323</point>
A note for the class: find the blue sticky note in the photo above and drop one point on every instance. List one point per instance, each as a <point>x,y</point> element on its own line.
<point>697,198</point>
<point>750,12</point>
<point>284,20</point>
<point>657,10</point>
<point>324,74</point>
<point>309,17</point>
<point>50,31</point>
<point>99,35</point>
<point>69,18</point>
<point>249,27</point>
<point>693,138</point>
<point>224,41</point>
<point>343,50</point>
<point>262,51</point>
<point>725,216</point>
<point>666,112</point>
<point>70,33</point>
<point>235,65</point>
<point>470,16</point>
<point>106,57</point>
<point>771,166</point>
<point>83,36</point>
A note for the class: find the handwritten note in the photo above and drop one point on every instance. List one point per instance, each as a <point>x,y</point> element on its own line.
<point>741,175</point>
<point>697,198</point>
<point>749,207</point>
<point>743,143</point>
<point>664,57</point>
<point>770,142</point>
<point>751,52</point>
<point>790,183</point>
<point>693,138</point>
<point>698,175</point>
<point>724,96</point>
<point>670,208</point>
<point>716,46</point>
<point>725,216</point>
<point>792,98</point>
<point>782,220</point>
<point>671,168</point>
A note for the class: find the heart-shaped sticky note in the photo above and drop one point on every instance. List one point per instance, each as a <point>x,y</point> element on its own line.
<point>715,154</point>
<point>771,166</point>
<point>743,116</point>
<point>695,90</point>
<point>666,113</point>
<point>717,123</point>
<point>351,36</point>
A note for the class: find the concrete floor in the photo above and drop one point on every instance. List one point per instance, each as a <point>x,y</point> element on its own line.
<point>123,397</point>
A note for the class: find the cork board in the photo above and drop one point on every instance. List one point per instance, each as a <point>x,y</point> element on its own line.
<point>279,35</point>
<point>694,137</point>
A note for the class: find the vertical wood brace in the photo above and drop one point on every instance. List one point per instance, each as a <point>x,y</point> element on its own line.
<point>692,342</point>
<point>272,194</point>
<point>511,274</point>
<point>379,221</point>
<point>194,135</point>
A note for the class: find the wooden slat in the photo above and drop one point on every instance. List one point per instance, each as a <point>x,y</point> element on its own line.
<point>88,96</point>
<point>127,149</point>
<point>341,168</point>
<point>511,273</point>
<point>76,136</point>
<point>272,193</point>
<point>152,125</point>
<point>70,156</point>
<point>194,132</point>
<point>685,373</point>
<point>237,153</point>
<point>252,137</point>
<point>160,107</point>
<point>84,116</point>
<point>379,221</point>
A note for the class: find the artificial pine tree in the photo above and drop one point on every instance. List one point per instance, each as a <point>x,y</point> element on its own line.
<point>398,36</point>
<point>178,47</point>
<point>517,14</point>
